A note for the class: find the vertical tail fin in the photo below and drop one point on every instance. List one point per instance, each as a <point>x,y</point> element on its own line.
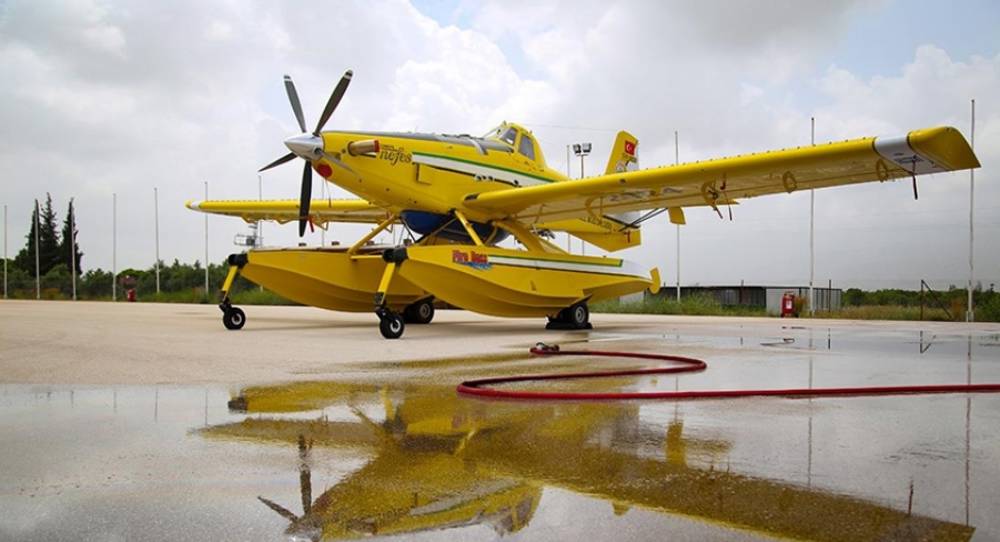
<point>624,154</point>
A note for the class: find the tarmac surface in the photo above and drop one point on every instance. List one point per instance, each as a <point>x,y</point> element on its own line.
<point>148,421</point>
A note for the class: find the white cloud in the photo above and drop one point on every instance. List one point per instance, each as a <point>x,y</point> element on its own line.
<point>108,97</point>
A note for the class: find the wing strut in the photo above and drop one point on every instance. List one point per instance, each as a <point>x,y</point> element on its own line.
<point>371,235</point>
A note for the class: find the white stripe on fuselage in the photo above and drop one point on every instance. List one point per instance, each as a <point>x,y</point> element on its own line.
<point>481,172</point>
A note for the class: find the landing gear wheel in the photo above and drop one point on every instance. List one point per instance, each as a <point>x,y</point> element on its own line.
<point>234,318</point>
<point>391,325</point>
<point>421,312</point>
<point>578,315</point>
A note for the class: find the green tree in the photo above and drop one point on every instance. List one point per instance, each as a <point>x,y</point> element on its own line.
<point>25,259</point>
<point>69,240</point>
<point>48,241</point>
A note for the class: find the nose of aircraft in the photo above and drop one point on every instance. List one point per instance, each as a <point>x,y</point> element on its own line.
<point>306,146</point>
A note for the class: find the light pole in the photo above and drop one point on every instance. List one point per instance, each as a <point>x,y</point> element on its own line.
<point>5,251</point>
<point>677,161</point>
<point>260,223</point>
<point>969,314</point>
<point>72,245</point>
<point>206,242</point>
<point>812,228</point>
<point>582,150</point>
<point>38,275</point>
<point>156,233</point>
<point>114,246</point>
<point>569,174</point>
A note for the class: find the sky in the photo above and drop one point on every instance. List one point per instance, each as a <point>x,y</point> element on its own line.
<point>108,97</point>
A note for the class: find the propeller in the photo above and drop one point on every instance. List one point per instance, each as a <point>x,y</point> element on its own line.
<point>309,146</point>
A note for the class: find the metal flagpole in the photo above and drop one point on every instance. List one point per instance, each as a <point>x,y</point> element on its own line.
<point>812,229</point>
<point>156,233</point>
<point>322,230</point>
<point>969,314</point>
<point>206,242</point>
<point>677,160</point>
<point>114,246</point>
<point>260,223</point>
<point>5,251</point>
<point>569,238</point>
<point>72,245</point>
<point>38,277</point>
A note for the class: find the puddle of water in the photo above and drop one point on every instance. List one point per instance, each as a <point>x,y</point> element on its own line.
<point>396,453</point>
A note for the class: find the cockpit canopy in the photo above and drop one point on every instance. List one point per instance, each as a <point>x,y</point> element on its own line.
<point>520,140</point>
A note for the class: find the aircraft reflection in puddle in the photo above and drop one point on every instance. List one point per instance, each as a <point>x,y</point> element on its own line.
<point>440,461</point>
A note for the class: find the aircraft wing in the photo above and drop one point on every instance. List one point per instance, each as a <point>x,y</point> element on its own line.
<point>722,181</point>
<point>282,211</point>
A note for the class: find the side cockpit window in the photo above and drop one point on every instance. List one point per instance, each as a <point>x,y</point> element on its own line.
<point>509,136</point>
<point>527,147</point>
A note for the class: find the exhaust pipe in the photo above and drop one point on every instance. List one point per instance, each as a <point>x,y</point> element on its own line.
<point>365,146</point>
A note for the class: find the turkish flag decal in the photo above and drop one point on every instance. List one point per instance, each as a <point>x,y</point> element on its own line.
<point>630,148</point>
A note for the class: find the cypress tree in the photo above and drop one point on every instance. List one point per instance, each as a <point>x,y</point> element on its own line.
<point>69,235</point>
<point>49,254</point>
<point>25,259</point>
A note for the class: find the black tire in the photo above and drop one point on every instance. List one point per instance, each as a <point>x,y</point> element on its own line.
<point>421,312</point>
<point>391,325</point>
<point>234,318</point>
<point>578,315</point>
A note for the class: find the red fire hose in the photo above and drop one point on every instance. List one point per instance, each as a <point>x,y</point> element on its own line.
<point>482,387</point>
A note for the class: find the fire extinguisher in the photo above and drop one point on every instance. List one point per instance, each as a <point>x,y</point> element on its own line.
<point>788,304</point>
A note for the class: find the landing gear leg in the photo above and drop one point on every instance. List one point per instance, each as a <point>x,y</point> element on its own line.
<point>390,324</point>
<point>232,317</point>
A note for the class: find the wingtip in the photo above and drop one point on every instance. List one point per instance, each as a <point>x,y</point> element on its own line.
<point>946,146</point>
<point>193,204</point>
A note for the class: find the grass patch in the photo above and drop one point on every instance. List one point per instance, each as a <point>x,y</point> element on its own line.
<point>885,312</point>
<point>697,305</point>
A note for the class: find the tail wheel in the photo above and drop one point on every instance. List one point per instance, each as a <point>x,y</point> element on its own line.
<point>421,312</point>
<point>578,315</point>
<point>391,325</point>
<point>234,318</point>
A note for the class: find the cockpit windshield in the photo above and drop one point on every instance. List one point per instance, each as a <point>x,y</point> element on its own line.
<point>507,134</point>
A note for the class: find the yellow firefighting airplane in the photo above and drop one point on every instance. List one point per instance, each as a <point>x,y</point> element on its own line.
<point>462,195</point>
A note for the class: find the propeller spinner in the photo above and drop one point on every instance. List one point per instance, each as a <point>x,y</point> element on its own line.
<point>309,146</point>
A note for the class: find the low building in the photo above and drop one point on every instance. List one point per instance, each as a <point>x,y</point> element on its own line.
<point>767,297</point>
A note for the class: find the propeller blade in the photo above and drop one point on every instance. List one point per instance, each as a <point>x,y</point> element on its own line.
<point>334,101</point>
<point>306,197</point>
<point>281,510</point>
<point>293,97</point>
<point>279,161</point>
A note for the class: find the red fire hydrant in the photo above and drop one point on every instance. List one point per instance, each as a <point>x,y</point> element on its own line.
<point>788,304</point>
